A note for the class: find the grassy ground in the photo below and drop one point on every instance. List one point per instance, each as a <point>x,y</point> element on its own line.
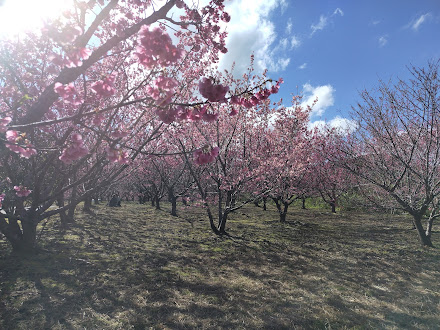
<point>135,267</point>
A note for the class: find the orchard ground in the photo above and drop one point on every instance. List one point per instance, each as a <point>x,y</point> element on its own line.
<point>137,267</point>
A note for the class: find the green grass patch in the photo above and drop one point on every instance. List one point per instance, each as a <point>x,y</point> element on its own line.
<point>137,268</point>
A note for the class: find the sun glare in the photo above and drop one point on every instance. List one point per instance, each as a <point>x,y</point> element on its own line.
<point>17,16</point>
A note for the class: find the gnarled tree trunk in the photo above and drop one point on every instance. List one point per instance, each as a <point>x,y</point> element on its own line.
<point>425,240</point>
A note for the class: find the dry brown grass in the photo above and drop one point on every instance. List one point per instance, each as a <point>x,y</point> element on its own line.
<point>135,267</point>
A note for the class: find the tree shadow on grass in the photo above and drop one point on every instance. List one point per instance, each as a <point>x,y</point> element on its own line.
<point>138,270</point>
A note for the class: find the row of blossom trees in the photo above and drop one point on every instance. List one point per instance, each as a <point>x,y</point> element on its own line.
<point>103,96</point>
<point>262,151</point>
<point>390,159</point>
<point>82,99</point>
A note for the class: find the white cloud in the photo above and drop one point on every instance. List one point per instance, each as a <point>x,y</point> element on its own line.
<point>281,64</point>
<point>343,125</point>
<point>324,95</point>
<point>294,42</point>
<point>419,21</point>
<point>320,25</point>
<point>320,124</point>
<point>338,11</point>
<point>324,20</point>
<point>251,32</point>
<point>284,4</point>
<point>383,40</point>
<point>303,66</point>
<point>284,43</point>
<point>289,26</point>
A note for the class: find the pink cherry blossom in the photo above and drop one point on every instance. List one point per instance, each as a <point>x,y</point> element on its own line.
<point>183,113</point>
<point>2,198</point>
<point>167,115</point>
<point>28,151</point>
<point>74,59</point>
<point>225,17</point>
<point>163,90</point>
<point>210,117</point>
<point>3,123</point>
<point>68,93</point>
<point>22,191</point>
<point>197,113</point>
<point>205,155</point>
<point>213,93</point>
<point>233,112</point>
<point>105,87</point>
<point>19,144</point>
<point>155,47</point>
<point>75,150</point>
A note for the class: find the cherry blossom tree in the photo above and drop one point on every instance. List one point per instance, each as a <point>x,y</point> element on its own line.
<point>224,168</point>
<point>329,179</point>
<point>287,155</point>
<point>173,173</point>
<point>396,147</point>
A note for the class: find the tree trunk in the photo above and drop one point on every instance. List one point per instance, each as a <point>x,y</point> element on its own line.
<point>281,211</point>
<point>211,218</point>
<point>284,213</point>
<point>23,240</point>
<point>282,217</point>
<point>71,211</point>
<point>173,200</point>
<point>333,205</point>
<point>29,238</point>
<point>424,239</point>
<point>429,227</point>
<point>303,203</point>
<point>64,217</point>
<point>174,206</point>
<point>87,204</point>
<point>264,203</point>
<point>157,202</point>
<point>222,223</point>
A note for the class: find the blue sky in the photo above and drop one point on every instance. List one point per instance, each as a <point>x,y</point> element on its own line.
<point>333,49</point>
<point>327,49</point>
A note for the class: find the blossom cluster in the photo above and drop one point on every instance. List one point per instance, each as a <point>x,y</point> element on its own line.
<point>3,124</point>
<point>155,47</point>
<point>256,98</point>
<point>22,191</point>
<point>19,144</point>
<point>214,93</point>
<point>105,87</point>
<point>75,150</point>
<point>173,113</point>
<point>71,59</point>
<point>2,198</point>
<point>68,93</point>
<point>162,90</point>
<point>205,155</point>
